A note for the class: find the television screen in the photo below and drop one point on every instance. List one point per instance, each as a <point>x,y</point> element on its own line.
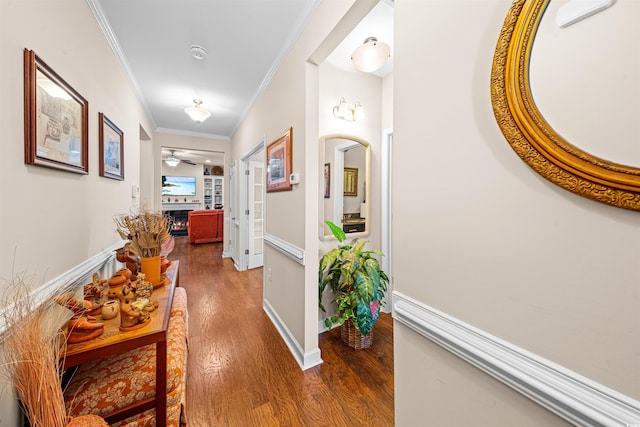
<point>178,185</point>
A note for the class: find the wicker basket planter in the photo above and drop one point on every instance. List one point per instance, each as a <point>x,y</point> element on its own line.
<point>352,337</point>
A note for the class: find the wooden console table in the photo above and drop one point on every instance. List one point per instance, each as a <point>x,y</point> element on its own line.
<point>113,341</point>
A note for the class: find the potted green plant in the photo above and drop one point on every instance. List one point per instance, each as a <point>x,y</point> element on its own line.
<point>358,283</point>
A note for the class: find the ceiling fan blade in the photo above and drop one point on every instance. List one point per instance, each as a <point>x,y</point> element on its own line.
<point>189,162</point>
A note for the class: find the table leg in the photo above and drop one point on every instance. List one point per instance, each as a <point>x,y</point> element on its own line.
<point>161,383</point>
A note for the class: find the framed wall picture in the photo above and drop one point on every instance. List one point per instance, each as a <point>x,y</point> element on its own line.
<point>56,119</point>
<point>350,181</point>
<point>111,147</point>
<point>279,163</point>
<point>327,180</point>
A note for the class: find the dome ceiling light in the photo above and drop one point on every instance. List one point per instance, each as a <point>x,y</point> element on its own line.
<point>371,55</point>
<point>197,113</point>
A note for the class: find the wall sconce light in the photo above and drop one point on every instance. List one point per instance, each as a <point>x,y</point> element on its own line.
<point>371,55</point>
<point>197,113</point>
<point>344,112</point>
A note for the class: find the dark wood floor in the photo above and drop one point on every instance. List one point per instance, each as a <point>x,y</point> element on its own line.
<point>241,373</point>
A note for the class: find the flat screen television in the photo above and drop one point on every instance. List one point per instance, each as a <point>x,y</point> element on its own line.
<point>178,185</point>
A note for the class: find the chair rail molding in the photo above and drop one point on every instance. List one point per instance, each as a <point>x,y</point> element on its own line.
<point>104,263</point>
<point>577,399</point>
<point>290,250</point>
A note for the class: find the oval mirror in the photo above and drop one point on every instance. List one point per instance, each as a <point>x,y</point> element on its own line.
<point>570,165</point>
<point>344,185</point>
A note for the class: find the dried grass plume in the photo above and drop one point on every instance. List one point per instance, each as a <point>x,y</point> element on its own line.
<point>146,230</point>
<point>31,347</point>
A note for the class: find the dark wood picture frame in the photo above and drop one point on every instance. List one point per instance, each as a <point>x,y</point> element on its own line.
<point>56,119</point>
<point>327,180</point>
<point>279,163</point>
<point>111,147</point>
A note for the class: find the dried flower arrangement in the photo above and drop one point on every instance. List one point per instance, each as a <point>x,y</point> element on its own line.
<point>147,231</point>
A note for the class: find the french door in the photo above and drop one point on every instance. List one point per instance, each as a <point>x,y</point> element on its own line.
<point>255,213</point>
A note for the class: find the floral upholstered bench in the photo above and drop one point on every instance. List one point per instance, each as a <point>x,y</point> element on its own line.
<point>109,385</point>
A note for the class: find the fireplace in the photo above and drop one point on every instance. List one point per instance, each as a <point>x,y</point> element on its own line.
<point>179,226</point>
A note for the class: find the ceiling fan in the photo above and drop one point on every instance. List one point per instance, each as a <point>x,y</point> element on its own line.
<point>173,161</point>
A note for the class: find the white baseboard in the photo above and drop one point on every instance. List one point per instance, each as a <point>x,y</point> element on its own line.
<point>577,399</point>
<point>305,360</point>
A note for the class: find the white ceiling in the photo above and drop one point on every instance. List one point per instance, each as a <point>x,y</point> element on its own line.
<point>245,40</point>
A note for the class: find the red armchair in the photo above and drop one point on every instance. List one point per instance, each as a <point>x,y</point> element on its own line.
<point>205,226</point>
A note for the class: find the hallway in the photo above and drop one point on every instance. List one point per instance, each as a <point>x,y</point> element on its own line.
<point>240,372</point>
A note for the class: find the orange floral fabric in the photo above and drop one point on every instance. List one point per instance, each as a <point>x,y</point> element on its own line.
<point>105,385</point>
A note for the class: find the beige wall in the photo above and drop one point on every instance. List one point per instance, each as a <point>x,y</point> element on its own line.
<point>289,214</point>
<point>53,220</point>
<point>480,236</point>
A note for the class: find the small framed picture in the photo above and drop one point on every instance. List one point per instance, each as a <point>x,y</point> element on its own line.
<point>327,180</point>
<point>279,163</point>
<point>56,119</point>
<point>111,147</point>
<point>350,181</point>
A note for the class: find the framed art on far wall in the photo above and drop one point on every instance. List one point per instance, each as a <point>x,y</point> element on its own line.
<point>279,163</point>
<point>350,181</point>
<point>56,119</point>
<point>327,180</point>
<point>111,147</point>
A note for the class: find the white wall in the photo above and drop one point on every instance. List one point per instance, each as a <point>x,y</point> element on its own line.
<point>366,88</point>
<point>482,237</point>
<point>53,220</point>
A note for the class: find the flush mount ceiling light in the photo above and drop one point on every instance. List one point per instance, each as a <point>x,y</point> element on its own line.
<point>197,113</point>
<point>344,112</point>
<point>198,52</point>
<point>371,55</point>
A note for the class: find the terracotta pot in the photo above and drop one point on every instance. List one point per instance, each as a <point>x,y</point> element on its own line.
<point>124,272</point>
<point>151,269</point>
<point>164,264</point>
<point>110,309</point>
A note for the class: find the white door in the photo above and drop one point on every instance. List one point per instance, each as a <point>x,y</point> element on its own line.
<point>233,220</point>
<point>255,202</point>
<point>386,212</point>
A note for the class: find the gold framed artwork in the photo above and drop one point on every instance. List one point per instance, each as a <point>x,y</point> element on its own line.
<point>279,163</point>
<point>56,119</point>
<point>111,147</point>
<point>350,182</point>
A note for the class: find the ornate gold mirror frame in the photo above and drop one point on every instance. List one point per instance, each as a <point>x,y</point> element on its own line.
<point>531,137</point>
